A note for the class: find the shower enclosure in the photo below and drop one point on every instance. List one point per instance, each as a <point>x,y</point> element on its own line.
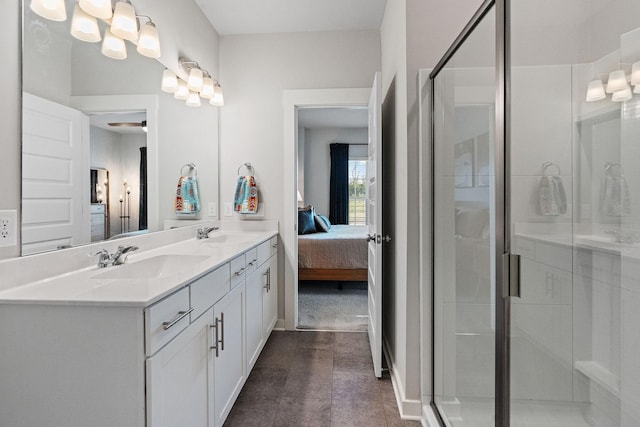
<point>534,135</point>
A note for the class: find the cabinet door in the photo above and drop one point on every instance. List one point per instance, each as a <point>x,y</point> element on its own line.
<point>256,284</point>
<point>180,379</point>
<point>229,359</point>
<point>270,299</point>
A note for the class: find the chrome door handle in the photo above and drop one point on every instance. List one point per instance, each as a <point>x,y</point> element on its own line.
<point>267,284</point>
<point>370,237</point>
<point>221,323</point>
<point>215,340</point>
<point>178,317</point>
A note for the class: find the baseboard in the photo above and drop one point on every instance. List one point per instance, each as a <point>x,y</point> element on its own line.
<point>429,418</point>
<point>410,409</point>
<point>279,325</point>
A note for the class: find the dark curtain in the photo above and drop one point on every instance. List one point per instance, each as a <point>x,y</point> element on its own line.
<point>94,183</point>
<point>142,225</point>
<point>339,184</point>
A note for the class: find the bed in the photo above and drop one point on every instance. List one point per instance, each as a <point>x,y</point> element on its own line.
<point>338,255</point>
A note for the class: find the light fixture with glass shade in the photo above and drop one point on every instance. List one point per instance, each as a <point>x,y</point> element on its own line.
<point>182,92</point>
<point>617,81</point>
<point>169,81</point>
<point>124,23</point>
<point>635,74</point>
<point>218,96</point>
<point>148,40</point>
<point>195,80</point>
<point>595,91</point>
<point>193,99</point>
<point>113,47</point>
<point>98,8</point>
<point>84,26</point>
<point>207,90</point>
<point>622,95</point>
<point>53,10</point>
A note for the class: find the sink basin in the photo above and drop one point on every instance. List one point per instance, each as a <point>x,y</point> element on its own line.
<point>229,238</point>
<point>151,268</point>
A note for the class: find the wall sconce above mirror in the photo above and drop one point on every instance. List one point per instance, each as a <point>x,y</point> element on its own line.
<point>199,84</point>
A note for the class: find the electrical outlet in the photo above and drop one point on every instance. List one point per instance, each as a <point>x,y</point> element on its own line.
<point>8,228</point>
<point>228,209</point>
<point>212,209</point>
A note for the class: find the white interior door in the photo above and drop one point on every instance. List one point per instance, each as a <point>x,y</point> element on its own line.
<point>374,223</point>
<point>55,176</point>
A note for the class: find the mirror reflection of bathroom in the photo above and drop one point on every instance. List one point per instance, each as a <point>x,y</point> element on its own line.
<point>118,145</point>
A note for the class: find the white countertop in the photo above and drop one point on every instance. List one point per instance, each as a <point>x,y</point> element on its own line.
<point>87,287</point>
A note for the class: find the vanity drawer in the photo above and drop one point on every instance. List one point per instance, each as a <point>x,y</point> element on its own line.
<point>238,266</point>
<point>274,245</point>
<point>264,252</point>
<point>208,289</point>
<point>251,258</point>
<point>166,319</point>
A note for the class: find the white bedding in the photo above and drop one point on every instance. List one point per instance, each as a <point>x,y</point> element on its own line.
<point>343,247</point>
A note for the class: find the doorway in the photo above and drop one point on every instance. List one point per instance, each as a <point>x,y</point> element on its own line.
<point>332,253</point>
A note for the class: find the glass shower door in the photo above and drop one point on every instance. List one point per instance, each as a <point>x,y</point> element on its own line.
<point>464,223</point>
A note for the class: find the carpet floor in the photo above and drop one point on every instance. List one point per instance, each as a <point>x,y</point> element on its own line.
<point>332,306</point>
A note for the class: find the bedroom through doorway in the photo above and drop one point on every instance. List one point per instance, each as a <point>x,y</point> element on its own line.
<point>332,162</point>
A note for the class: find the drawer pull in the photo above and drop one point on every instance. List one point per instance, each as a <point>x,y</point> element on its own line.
<point>178,317</point>
<point>239,272</point>
<point>252,263</point>
<point>275,245</point>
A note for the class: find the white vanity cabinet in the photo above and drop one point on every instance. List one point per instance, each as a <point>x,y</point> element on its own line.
<point>180,379</point>
<point>180,361</point>
<point>261,300</point>
<point>229,356</point>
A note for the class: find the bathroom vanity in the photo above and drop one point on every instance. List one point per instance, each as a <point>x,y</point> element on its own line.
<point>166,339</point>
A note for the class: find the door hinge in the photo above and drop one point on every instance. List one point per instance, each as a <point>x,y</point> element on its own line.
<point>511,275</point>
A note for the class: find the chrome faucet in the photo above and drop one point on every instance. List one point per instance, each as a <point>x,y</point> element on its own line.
<point>104,259</point>
<point>120,257</point>
<point>203,233</point>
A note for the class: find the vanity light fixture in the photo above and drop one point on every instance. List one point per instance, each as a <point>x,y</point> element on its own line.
<point>595,91</point>
<point>98,8</point>
<point>84,26</point>
<point>169,81</point>
<point>148,39</point>
<point>635,74</point>
<point>113,47</point>
<point>207,90</point>
<point>124,23</point>
<point>182,92</point>
<point>193,100</point>
<point>196,77</point>
<point>622,95</point>
<point>617,81</point>
<point>218,96</point>
<point>53,10</point>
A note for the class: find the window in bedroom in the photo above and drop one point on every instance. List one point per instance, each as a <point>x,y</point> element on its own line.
<point>357,191</point>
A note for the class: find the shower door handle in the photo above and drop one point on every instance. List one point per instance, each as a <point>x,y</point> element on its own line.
<point>371,237</point>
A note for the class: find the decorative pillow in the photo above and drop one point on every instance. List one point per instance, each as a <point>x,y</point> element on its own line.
<point>306,221</point>
<point>322,223</point>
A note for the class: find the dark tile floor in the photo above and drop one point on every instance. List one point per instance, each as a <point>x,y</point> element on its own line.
<point>316,379</point>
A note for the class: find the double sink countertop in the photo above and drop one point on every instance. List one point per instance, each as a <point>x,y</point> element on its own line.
<point>146,277</point>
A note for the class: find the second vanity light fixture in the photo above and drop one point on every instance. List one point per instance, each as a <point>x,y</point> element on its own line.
<point>122,24</point>
<point>618,85</point>
<point>199,85</point>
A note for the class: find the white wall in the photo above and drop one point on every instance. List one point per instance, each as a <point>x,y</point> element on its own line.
<point>317,161</point>
<point>255,69</point>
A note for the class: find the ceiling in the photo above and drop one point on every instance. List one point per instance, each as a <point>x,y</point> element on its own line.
<point>292,16</point>
<point>346,117</point>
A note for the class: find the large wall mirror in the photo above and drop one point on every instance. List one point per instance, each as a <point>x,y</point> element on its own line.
<point>86,115</point>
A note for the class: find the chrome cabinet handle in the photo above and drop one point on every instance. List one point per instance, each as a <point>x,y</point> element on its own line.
<point>267,284</point>
<point>215,340</point>
<point>221,324</point>
<point>275,245</point>
<point>239,272</point>
<point>178,317</point>
<point>252,263</point>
